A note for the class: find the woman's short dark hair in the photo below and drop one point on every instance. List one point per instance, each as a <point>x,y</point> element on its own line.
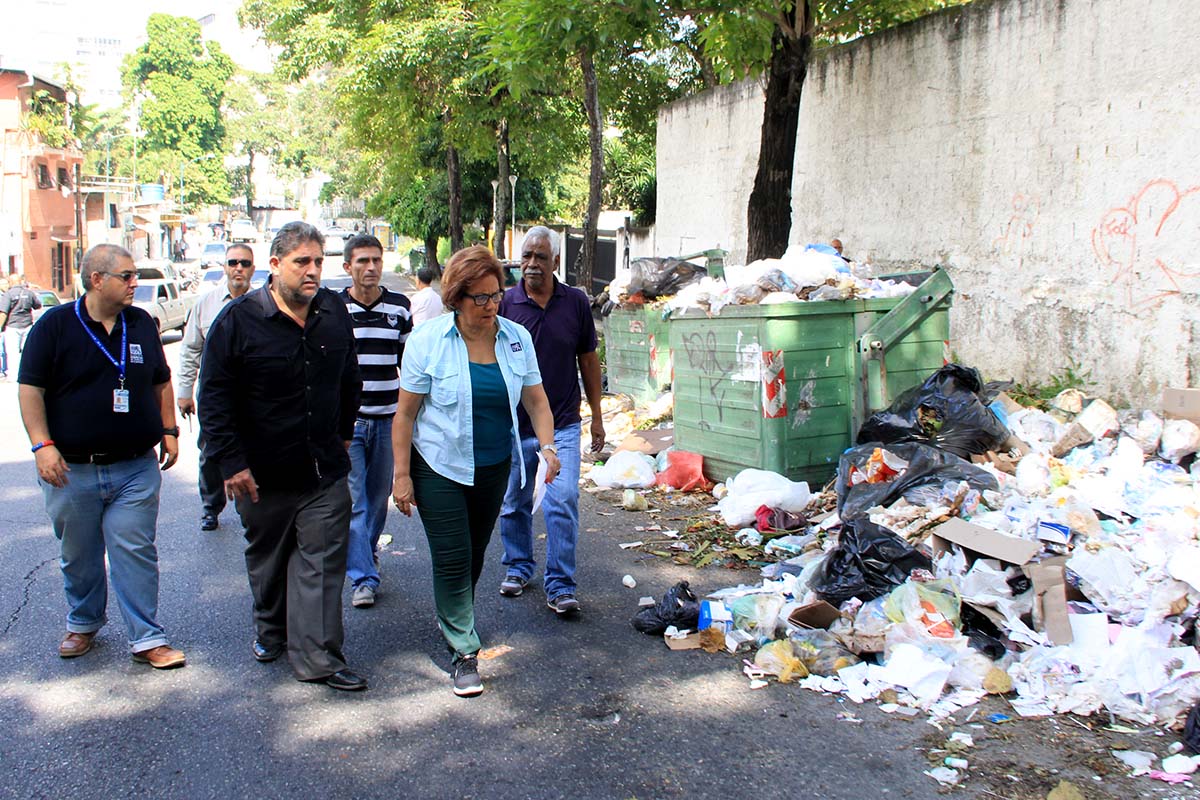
<point>464,268</point>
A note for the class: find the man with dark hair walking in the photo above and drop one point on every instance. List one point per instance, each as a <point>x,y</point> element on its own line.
<point>381,324</point>
<point>279,388</point>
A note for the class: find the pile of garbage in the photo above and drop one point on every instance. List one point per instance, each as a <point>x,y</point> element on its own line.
<point>975,547</point>
<point>805,273</point>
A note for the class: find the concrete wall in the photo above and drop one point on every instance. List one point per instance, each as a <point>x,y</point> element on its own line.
<point>707,153</point>
<point>1043,152</point>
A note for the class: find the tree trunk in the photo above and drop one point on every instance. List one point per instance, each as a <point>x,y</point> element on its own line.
<point>431,259</point>
<point>503,169</point>
<point>250,185</point>
<point>454,181</point>
<point>585,262</point>
<point>769,213</point>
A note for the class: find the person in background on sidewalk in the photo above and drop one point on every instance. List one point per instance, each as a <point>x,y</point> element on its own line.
<point>16,318</point>
<point>426,302</point>
<point>559,318</point>
<point>462,379</point>
<point>279,388</point>
<point>239,266</point>
<point>381,324</point>
<point>4,285</point>
<point>96,398</point>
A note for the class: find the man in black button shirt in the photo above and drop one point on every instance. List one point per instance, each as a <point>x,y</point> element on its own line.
<point>279,388</point>
<point>96,398</point>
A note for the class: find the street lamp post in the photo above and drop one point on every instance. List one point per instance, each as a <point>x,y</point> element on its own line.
<point>512,199</point>
<point>495,185</point>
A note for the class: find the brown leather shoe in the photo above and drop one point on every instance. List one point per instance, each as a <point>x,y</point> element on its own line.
<point>74,644</point>
<point>161,657</point>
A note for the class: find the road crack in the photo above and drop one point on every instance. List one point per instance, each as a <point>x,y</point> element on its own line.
<point>30,577</point>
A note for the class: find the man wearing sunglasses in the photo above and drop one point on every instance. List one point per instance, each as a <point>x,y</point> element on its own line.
<point>96,398</point>
<point>239,267</point>
<point>559,318</point>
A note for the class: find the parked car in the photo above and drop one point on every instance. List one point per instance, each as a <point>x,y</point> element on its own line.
<point>164,300</point>
<point>210,279</point>
<point>213,255</point>
<point>335,241</point>
<point>259,278</point>
<point>242,230</point>
<point>49,300</point>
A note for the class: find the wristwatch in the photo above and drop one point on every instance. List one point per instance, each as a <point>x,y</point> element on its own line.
<point>171,432</point>
<point>549,447</point>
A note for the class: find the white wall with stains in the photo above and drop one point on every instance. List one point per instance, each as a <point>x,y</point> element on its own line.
<point>1043,152</point>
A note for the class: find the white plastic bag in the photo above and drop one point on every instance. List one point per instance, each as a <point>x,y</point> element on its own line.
<point>1179,437</point>
<point>1146,430</point>
<point>752,488</point>
<point>625,470</point>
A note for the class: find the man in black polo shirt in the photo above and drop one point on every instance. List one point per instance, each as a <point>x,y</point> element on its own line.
<point>96,398</point>
<point>279,388</point>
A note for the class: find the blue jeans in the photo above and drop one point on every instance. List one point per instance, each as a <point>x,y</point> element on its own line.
<point>560,508</point>
<point>370,488</point>
<point>114,509</point>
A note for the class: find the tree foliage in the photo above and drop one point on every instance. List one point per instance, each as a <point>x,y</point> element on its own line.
<point>178,84</point>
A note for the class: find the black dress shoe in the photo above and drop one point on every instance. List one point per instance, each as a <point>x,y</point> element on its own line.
<point>208,522</point>
<point>346,681</point>
<point>264,654</point>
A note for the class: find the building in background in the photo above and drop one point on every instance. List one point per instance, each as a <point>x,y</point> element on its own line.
<point>39,204</point>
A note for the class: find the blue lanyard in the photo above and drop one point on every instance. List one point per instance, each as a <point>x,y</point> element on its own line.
<point>124,330</point>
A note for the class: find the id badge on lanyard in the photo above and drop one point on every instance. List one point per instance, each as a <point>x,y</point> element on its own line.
<point>120,394</point>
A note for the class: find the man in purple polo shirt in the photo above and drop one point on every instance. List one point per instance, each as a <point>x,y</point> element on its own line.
<point>559,318</point>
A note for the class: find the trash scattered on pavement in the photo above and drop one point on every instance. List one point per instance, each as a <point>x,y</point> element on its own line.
<point>629,582</point>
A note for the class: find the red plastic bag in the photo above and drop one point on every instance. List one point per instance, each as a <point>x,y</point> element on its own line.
<point>684,471</point>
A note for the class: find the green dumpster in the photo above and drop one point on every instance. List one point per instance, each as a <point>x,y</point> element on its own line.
<point>637,353</point>
<point>786,387</point>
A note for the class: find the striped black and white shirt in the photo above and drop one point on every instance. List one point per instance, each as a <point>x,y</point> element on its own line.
<point>379,333</point>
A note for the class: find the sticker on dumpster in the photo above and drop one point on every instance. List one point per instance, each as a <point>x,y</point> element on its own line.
<point>653,358</point>
<point>749,362</point>
<point>637,326</point>
<point>774,385</point>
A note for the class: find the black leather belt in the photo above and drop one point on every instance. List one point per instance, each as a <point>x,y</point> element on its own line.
<point>99,458</point>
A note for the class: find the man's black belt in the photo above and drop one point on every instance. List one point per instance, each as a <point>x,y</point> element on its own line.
<point>99,458</point>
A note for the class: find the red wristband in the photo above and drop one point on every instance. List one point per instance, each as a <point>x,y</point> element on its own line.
<point>40,445</point>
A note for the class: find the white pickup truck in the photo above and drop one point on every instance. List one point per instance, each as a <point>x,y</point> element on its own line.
<point>164,300</point>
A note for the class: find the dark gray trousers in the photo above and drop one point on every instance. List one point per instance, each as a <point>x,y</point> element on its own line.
<point>296,560</point>
<point>212,485</point>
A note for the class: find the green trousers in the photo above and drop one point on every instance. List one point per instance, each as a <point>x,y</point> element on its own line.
<point>458,522</point>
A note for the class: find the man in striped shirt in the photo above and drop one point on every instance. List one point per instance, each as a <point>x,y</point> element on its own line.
<point>382,321</point>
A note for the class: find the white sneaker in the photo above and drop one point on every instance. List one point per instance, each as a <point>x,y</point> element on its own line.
<point>364,596</point>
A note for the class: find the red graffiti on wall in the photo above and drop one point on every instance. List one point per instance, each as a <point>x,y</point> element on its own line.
<point>1018,229</point>
<point>1151,241</point>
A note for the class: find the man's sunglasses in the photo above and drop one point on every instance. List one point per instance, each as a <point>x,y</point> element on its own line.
<point>241,262</point>
<point>125,277</point>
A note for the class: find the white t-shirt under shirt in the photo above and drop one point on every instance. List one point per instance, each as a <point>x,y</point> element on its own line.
<point>426,304</point>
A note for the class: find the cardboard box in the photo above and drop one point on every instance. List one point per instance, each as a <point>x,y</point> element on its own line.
<point>689,641</point>
<point>651,442</point>
<point>1050,614</point>
<point>1182,404</point>
<point>814,615</point>
<point>1076,436</point>
<point>981,541</point>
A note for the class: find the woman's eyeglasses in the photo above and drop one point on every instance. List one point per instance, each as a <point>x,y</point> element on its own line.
<point>484,299</point>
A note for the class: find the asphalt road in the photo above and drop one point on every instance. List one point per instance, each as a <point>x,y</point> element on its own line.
<point>585,708</point>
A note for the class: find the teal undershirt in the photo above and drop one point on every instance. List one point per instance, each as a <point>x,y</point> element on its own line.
<point>490,415</point>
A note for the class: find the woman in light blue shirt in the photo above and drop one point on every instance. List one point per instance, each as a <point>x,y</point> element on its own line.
<point>454,435</point>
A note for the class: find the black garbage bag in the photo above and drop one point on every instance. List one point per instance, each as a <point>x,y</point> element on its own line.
<point>1191,730</point>
<point>661,277</point>
<point>678,607</point>
<point>927,466</point>
<point>868,561</point>
<point>982,633</point>
<point>947,411</point>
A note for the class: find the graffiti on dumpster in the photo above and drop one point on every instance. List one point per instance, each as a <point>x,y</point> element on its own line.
<point>1149,241</point>
<point>702,356</point>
